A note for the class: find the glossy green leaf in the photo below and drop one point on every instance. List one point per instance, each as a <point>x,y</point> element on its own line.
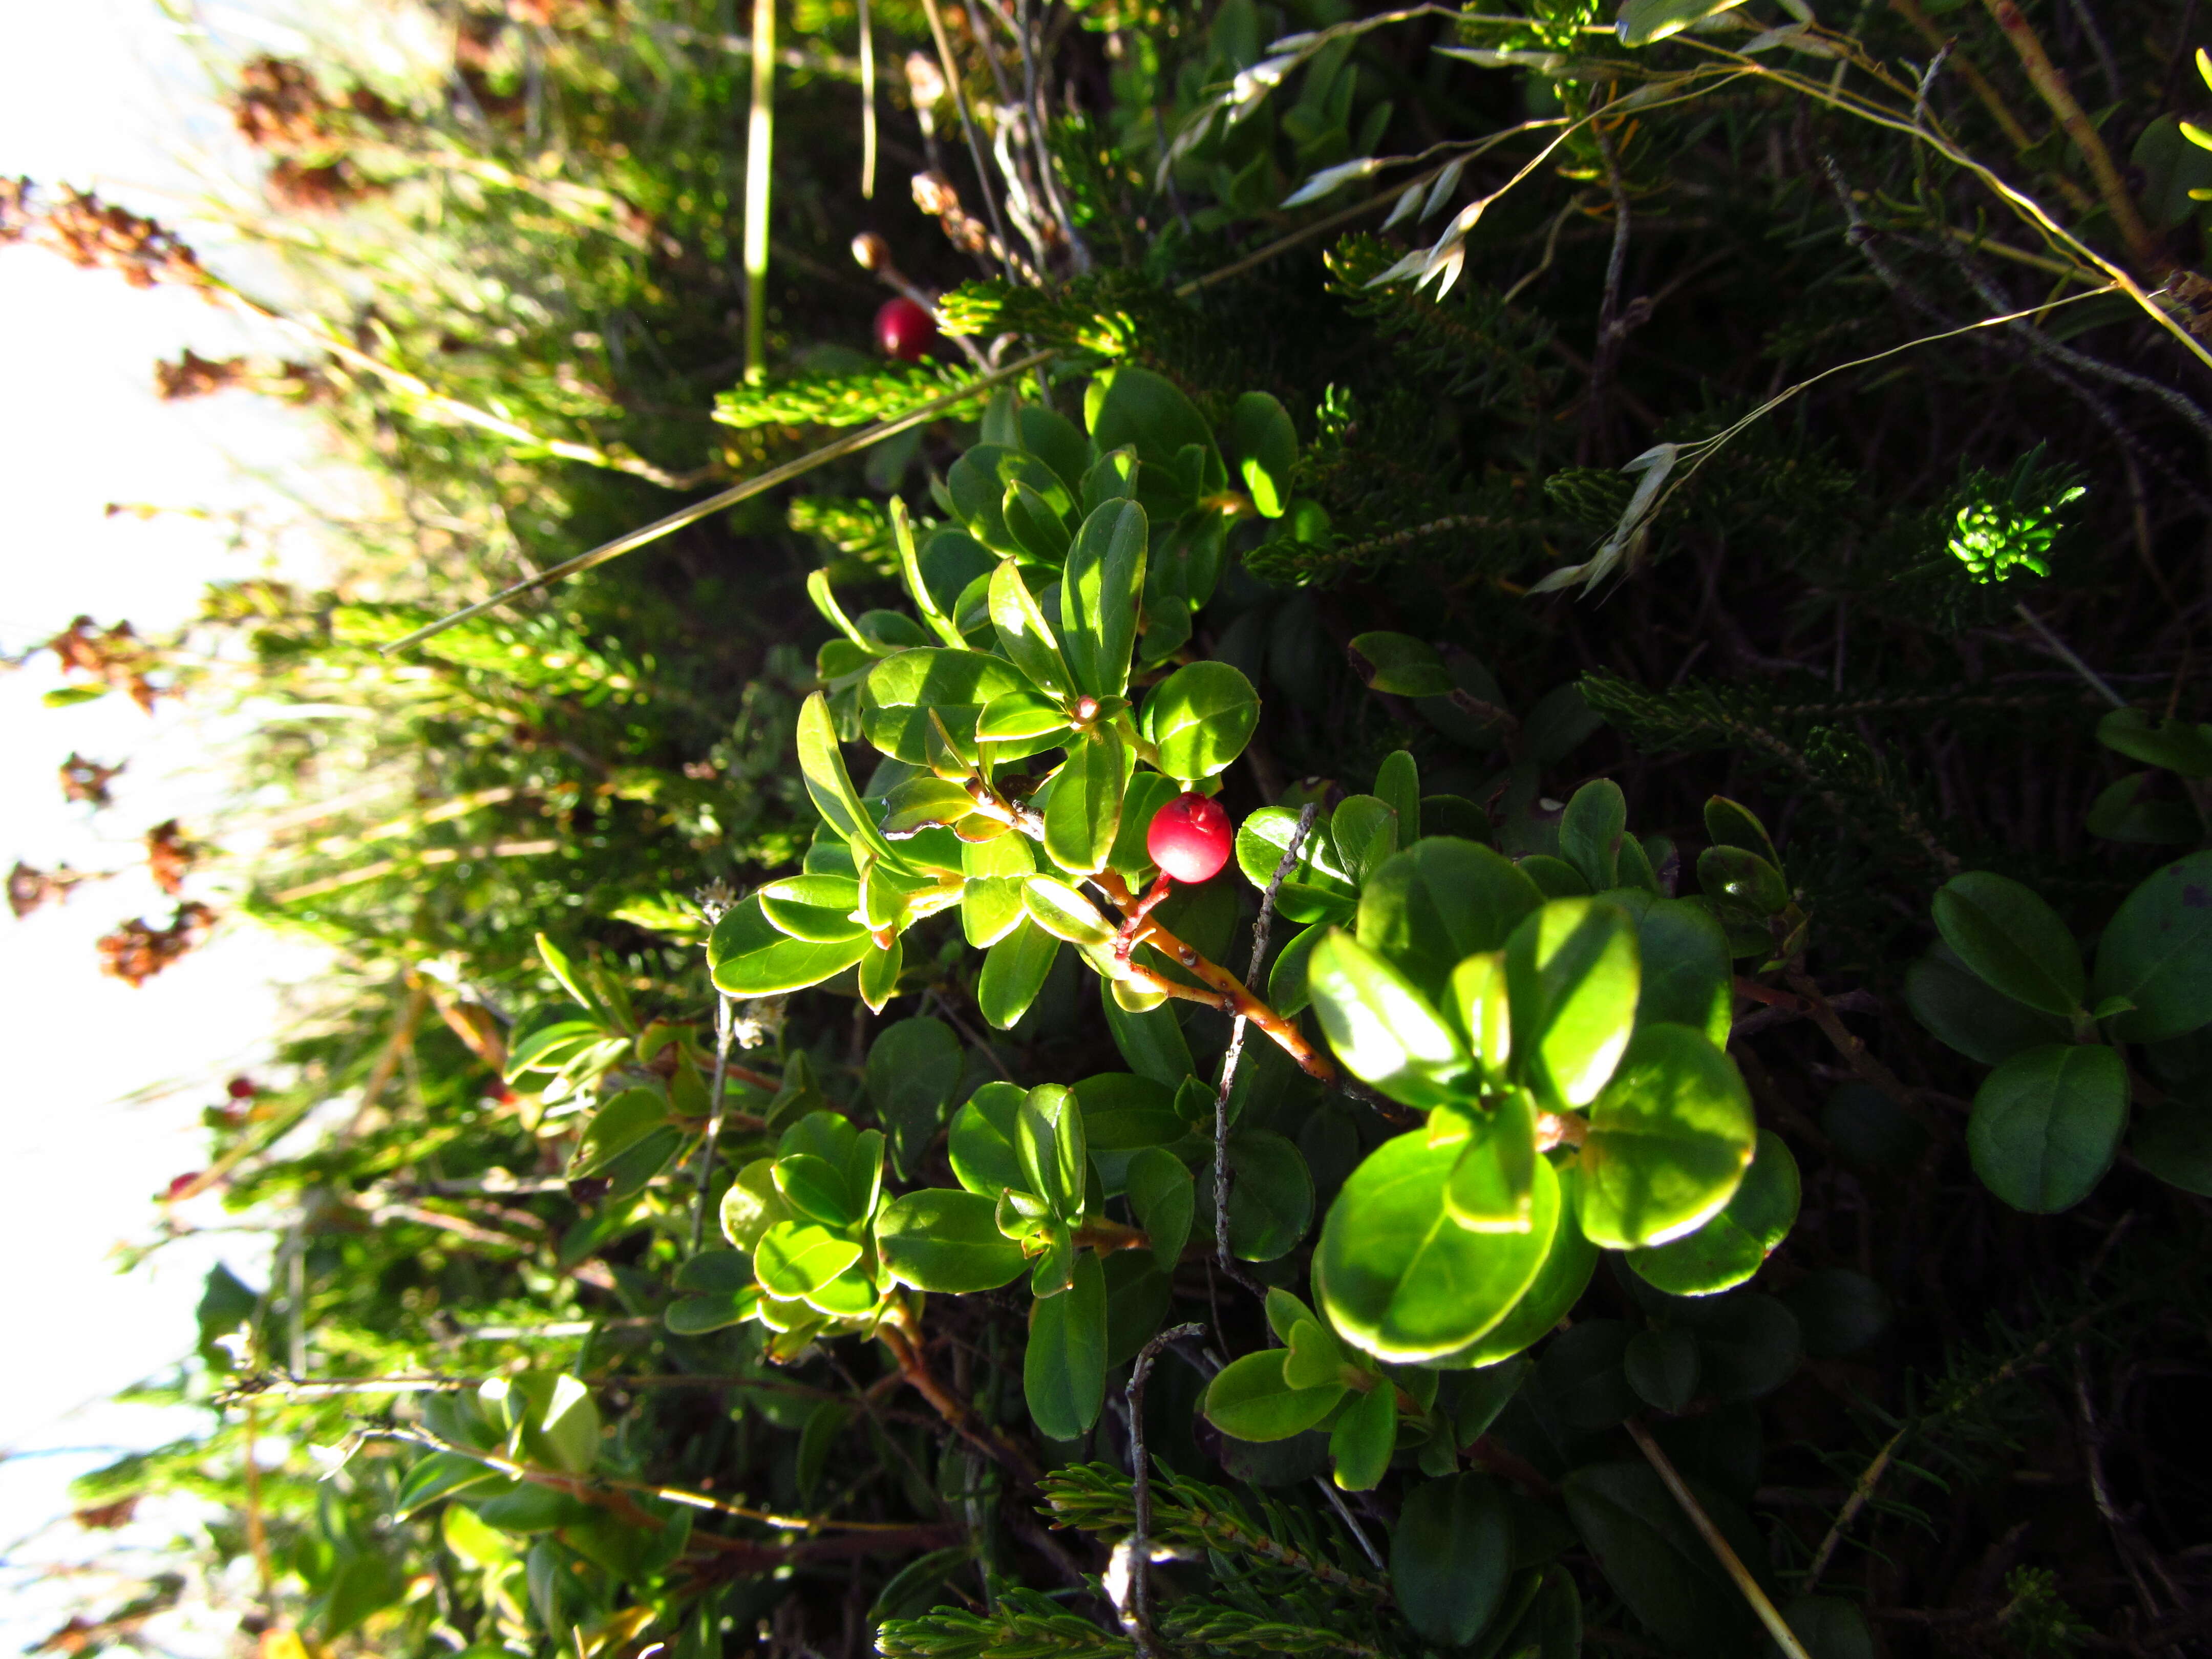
<point>1064,1370</point>
<point>978,483</point>
<point>1731,824</point>
<point>937,1239</point>
<point>441,1474</point>
<point>1494,1183</point>
<point>1437,901</point>
<point>1365,831</point>
<point>1038,532</point>
<point>830,786</point>
<point>2178,745</point>
<point>1270,1196</point>
<point>2133,810</point>
<point>752,1205</point>
<point>1572,979</point>
<point>1250,1399</point>
<point>1023,633</point>
<point>2046,1125</point>
<point>816,1190</point>
<point>1685,969</point>
<point>1015,717</point>
<point>560,1423</point>
<point>1199,718</point>
<point>1669,1138</point>
<point>880,967</point>
<point>1737,878</point>
<point>1398,785</point>
<point>1318,887</point>
<point>1265,445</point>
<point>816,909</point>
<point>616,1127</point>
<point>1662,1366</point>
<point>1085,812</point>
<point>2014,940</point>
<point>1064,913</point>
<point>900,692</point>
<point>1400,666</point>
<point>748,958</point>
<point>1559,1284</point>
<point>981,1144</point>
<point>1163,1199</point>
<point>1592,831</point>
<point>1401,1279</point>
<point>923,803</point>
<point>1133,407</point>
<point>1365,1436</point>
<point>1099,590</point>
<point>1152,1041</point>
<point>1962,1009</point>
<point>1382,1027</point>
<point>1048,1139</point>
<point>1286,980</point>
<point>2157,953</point>
<point>795,1257</point>
<point>1729,1249</point>
<point>1014,971</point>
<point>1451,1556</point>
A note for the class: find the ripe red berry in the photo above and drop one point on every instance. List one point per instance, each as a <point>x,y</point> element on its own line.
<point>905,330</point>
<point>241,1088</point>
<point>181,1185</point>
<point>1190,838</point>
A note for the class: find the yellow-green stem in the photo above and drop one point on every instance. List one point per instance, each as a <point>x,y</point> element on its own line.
<point>760,145</point>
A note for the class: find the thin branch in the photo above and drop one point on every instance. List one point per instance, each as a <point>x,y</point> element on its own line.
<point>2065,653</point>
<point>852,443</point>
<point>1137,1613</point>
<point>725,1029</point>
<point>1260,927</point>
<point>967,129</point>
<point>1777,1626</point>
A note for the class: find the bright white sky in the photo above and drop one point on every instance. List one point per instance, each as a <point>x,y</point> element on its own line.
<point>106,1083</point>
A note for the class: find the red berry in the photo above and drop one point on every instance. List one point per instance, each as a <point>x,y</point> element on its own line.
<point>1190,838</point>
<point>241,1088</point>
<point>905,330</point>
<point>177,1187</point>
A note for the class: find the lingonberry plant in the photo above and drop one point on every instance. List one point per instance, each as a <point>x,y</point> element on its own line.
<point>1308,1028</point>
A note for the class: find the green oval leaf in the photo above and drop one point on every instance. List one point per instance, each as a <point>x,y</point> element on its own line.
<point>940,1240</point>
<point>2014,940</point>
<point>913,1067</point>
<point>1728,1250</point>
<point>1265,445</point>
<point>1399,665</point>
<point>748,958</point>
<point>1064,1370</point>
<point>1363,1438</point>
<point>816,909</point>
<point>1384,1030</point>
<point>796,1257</point>
<point>1559,1284</point>
<point>2046,1124</point>
<point>1402,1281</point>
<point>1249,1398</point>
<point>899,691</point>
<point>1452,1556</point>
<point>1014,971</point>
<point>2157,953</point>
<point>1199,718</point>
<point>1572,979</point>
<point>1084,812</point>
<point>1100,586</point>
<point>1440,900</point>
<point>1669,1138</point>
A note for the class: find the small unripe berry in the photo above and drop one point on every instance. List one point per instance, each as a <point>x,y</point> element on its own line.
<point>1190,838</point>
<point>905,330</point>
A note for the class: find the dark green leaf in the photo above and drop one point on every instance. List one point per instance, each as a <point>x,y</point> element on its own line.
<point>1438,901</point>
<point>1592,831</point>
<point>1451,1554</point>
<point>1365,1436</point>
<point>2013,939</point>
<point>1661,1367</point>
<point>1014,971</point>
<point>1653,1559</point>
<point>751,958</point>
<point>2157,953</point>
<point>1961,1010</point>
<point>901,692</point>
<point>1399,664</point>
<point>1583,1374</point>
<point>1265,445</point>
<point>2046,1125</point>
<point>1064,1370</point>
<point>914,1066</point>
<point>1163,1199</point>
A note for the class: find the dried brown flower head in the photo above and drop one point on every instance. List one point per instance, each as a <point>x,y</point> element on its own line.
<point>170,857</point>
<point>138,950</point>
<point>194,376</point>
<point>86,781</point>
<point>90,234</point>
<point>115,657</point>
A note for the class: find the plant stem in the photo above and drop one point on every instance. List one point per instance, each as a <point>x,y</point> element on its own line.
<point>2050,82</point>
<point>1136,1617</point>
<point>1777,1626</point>
<point>867,106</point>
<point>724,1030</point>
<point>851,443</point>
<point>760,145</point>
<point>1005,248</point>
